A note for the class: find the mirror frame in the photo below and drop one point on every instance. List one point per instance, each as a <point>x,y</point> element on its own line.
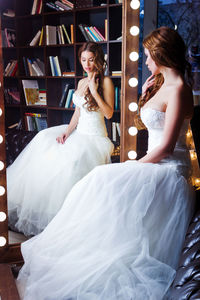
<point>10,253</point>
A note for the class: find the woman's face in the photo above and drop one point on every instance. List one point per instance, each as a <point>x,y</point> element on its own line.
<point>153,68</point>
<point>87,61</point>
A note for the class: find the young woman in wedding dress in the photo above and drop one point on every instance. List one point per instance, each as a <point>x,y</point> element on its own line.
<point>44,173</point>
<point>119,233</point>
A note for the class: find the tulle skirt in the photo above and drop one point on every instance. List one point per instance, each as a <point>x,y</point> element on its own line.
<point>118,236</point>
<point>44,173</point>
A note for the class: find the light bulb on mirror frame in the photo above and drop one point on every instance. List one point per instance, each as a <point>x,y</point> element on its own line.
<point>2,216</point>
<point>1,112</point>
<point>134,30</point>
<point>132,154</point>
<point>132,130</point>
<point>1,165</point>
<point>135,4</point>
<point>2,190</point>
<point>134,56</point>
<point>133,82</point>
<point>2,241</point>
<point>133,106</point>
<point>1,138</point>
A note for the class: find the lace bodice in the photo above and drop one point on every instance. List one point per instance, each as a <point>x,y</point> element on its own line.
<point>90,122</point>
<point>154,121</point>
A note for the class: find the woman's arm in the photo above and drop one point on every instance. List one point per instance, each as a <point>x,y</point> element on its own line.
<point>106,105</point>
<point>176,110</point>
<point>72,125</point>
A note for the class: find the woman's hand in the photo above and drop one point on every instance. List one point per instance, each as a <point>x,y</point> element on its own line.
<point>62,138</point>
<point>148,83</point>
<point>93,84</point>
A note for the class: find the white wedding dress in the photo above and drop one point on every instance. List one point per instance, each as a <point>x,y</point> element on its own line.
<point>119,233</point>
<point>44,173</point>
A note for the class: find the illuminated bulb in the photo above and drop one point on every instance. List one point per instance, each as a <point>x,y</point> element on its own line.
<point>132,130</point>
<point>189,133</point>
<point>132,154</point>
<point>2,241</point>
<point>197,181</point>
<point>1,111</point>
<point>193,155</point>
<point>133,106</point>
<point>135,4</point>
<point>134,30</point>
<point>1,165</point>
<point>2,216</point>
<point>133,82</point>
<point>2,190</point>
<point>134,56</point>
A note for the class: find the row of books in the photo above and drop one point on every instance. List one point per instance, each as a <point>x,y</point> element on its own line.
<point>33,66</point>
<point>33,95</point>
<point>36,7</point>
<point>11,68</point>
<point>59,66</point>
<point>60,34</point>
<point>35,121</point>
<point>8,37</point>
<point>91,33</point>
<point>60,5</point>
<point>12,95</point>
<point>66,98</point>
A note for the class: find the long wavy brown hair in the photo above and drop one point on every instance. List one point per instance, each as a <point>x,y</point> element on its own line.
<point>100,65</point>
<point>168,49</point>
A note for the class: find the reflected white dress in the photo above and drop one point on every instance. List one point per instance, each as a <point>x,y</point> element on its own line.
<point>119,233</point>
<point>44,173</point>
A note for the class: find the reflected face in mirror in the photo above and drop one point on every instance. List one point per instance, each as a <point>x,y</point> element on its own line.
<point>56,158</point>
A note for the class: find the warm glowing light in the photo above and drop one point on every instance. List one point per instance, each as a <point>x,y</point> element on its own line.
<point>134,56</point>
<point>132,130</point>
<point>1,165</point>
<point>132,154</point>
<point>197,181</point>
<point>189,133</point>
<point>134,30</point>
<point>193,154</point>
<point>2,241</point>
<point>2,216</point>
<point>133,82</point>
<point>1,111</point>
<point>2,190</point>
<point>135,4</point>
<point>133,106</point>
<point>1,139</point>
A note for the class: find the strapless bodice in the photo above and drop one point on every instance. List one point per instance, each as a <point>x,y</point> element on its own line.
<point>154,120</point>
<point>90,122</point>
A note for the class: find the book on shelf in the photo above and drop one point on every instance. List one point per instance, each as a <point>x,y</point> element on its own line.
<point>116,73</point>
<point>115,131</point>
<point>117,97</point>
<point>42,97</point>
<point>59,66</point>
<point>9,37</point>
<point>64,95</point>
<point>62,5</point>
<point>69,98</point>
<point>41,40</point>
<point>12,95</point>
<point>106,29</point>
<point>91,33</point>
<point>68,3</point>
<point>53,6</point>
<point>51,38</point>
<point>9,13</point>
<point>72,33</point>
<point>36,7</point>
<point>36,39</point>
<point>33,66</point>
<point>68,73</point>
<point>31,92</point>
<point>66,33</point>
<point>35,121</point>
<point>11,68</point>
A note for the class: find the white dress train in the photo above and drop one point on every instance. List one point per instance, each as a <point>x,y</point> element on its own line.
<point>119,233</point>
<point>44,173</point>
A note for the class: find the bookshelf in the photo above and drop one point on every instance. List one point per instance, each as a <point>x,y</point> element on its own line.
<point>26,26</point>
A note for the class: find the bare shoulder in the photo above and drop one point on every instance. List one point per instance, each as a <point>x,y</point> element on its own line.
<point>181,95</point>
<point>107,81</point>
